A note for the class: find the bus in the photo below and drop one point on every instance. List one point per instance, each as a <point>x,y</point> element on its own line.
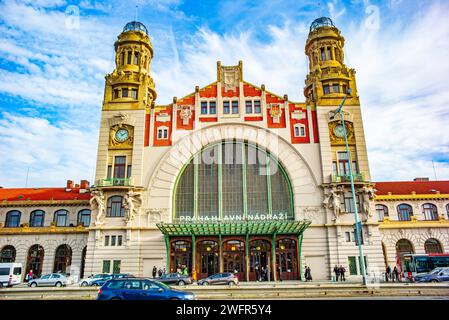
<point>423,263</point>
<point>10,274</point>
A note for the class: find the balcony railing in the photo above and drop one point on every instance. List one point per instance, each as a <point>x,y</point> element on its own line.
<point>125,182</point>
<point>358,177</point>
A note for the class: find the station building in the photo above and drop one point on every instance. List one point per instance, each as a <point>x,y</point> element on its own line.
<point>230,178</point>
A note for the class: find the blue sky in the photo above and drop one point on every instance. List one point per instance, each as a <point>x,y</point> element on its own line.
<point>54,55</point>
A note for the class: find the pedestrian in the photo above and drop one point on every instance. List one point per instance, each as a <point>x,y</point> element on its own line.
<point>337,273</point>
<point>178,269</point>
<point>159,272</point>
<point>30,275</point>
<point>185,271</point>
<point>154,272</point>
<point>163,271</point>
<point>256,269</point>
<point>308,274</point>
<point>396,273</point>
<point>387,273</point>
<point>280,273</point>
<point>263,274</point>
<point>194,277</point>
<point>342,271</point>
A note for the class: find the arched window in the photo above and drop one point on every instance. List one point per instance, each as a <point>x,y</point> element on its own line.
<point>61,218</point>
<point>35,259</point>
<point>13,219</point>
<point>8,254</point>
<point>115,207</point>
<point>405,212</point>
<point>433,246</point>
<point>84,217</point>
<point>233,180</point>
<point>37,218</point>
<point>403,246</point>
<point>430,211</point>
<point>63,259</point>
<point>382,211</point>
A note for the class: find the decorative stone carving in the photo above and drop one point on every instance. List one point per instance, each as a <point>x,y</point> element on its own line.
<point>185,114</point>
<point>275,112</point>
<point>332,200</point>
<point>163,117</point>
<point>97,203</point>
<point>368,196</point>
<point>156,215</point>
<point>116,144</point>
<point>341,140</point>
<point>132,202</point>
<point>309,213</point>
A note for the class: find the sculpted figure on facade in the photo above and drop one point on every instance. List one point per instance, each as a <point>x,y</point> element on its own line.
<point>368,196</point>
<point>132,202</point>
<point>332,201</point>
<point>97,203</point>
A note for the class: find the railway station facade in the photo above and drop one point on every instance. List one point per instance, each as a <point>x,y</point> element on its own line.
<point>231,177</point>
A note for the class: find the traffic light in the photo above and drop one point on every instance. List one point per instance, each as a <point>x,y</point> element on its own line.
<point>358,231</point>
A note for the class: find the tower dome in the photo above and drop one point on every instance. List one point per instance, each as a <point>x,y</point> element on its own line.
<point>321,22</point>
<point>135,26</point>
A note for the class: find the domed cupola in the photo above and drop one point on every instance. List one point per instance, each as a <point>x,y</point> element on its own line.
<point>321,22</point>
<point>135,26</point>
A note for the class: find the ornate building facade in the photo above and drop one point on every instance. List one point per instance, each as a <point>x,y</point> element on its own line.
<point>233,177</point>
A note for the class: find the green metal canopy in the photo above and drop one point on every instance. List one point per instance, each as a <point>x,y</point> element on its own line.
<point>240,228</point>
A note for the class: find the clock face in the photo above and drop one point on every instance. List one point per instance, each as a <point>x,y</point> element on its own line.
<point>339,131</point>
<point>122,135</point>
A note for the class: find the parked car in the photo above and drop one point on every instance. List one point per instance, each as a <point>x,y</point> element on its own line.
<point>10,274</point>
<point>436,275</point>
<point>87,281</point>
<point>175,278</point>
<point>101,281</point>
<point>140,289</point>
<point>220,278</point>
<point>49,280</point>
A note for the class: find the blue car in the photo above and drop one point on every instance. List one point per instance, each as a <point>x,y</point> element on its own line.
<point>140,289</point>
<point>436,275</point>
<point>101,281</point>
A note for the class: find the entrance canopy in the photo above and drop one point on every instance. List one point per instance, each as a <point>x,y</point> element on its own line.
<point>227,228</point>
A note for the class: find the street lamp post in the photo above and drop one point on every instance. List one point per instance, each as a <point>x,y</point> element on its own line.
<point>359,228</point>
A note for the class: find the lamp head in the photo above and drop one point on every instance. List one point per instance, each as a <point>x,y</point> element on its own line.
<point>349,91</point>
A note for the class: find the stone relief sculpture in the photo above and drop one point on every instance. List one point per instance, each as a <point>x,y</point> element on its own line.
<point>332,201</point>
<point>156,215</point>
<point>368,196</point>
<point>97,203</point>
<point>132,202</point>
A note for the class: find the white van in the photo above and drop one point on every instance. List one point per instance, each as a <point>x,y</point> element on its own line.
<point>10,274</point>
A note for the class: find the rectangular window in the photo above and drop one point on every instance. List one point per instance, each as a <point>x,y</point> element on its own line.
<point>165,133</point>
<point>113,238</point>
<point>204,107</point>
<point>119,240</point>
<point>348,236</point>
<point>296,131</point>
<point>122,58</point>
<point>134,94</point>
<point>115,96</point>
<point>129,57</point>
<point>336,88</point>
<point>323,55</point>
<point>136,58</point>
<point>106,241</point>
<point>235,107</point>
<point>257,106</point>
<point>354,167</point>
<point>109,174</point>
<point>352,266</point>
<point>159,134</point>
<point>106,266</point>
<point>226,107</point>
<point>116,268</point>
<point>119,167</point>
<point>334,168</point>
<point>128,171</point>
<point>348,204</point>
<point>125,93</point>
<point>345,88</point>
<point>212,107</point>
<point>249,106</point>
<point>302,131</point>
<point>329,54</point>
<point>343,163</point>
<point>326,89</point>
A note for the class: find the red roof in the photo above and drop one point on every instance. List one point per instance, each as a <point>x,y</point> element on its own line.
<point>407,187</point>
<point>42,194</point>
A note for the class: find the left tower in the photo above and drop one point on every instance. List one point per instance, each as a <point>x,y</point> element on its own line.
<point>129,95</point>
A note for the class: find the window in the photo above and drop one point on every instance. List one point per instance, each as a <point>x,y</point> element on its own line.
<point>326,89</point>
<point>37,218</point>
<point>336,88</point>
<point>348,236</point>
<point>136,58</point>
<point>226,109</point>
<point>109,173</point>
<point>129,57</point>
<point>300,130</point>
<point>249,106</point>
<point>235,107</point>
<point>122,58</point>
<point>212,107</point>
<point>430,211</point>
<point>405,212</point>
<point>13,219</point>
<point>125,93</point>
<point>116,266</point>
<point>61,218</point>
<point>329,54</point>
<point>115,96</point>
<point>354,168</point>
<point>113,239</point>
<point>115,208</point>
<point>323,54</point>
<point>63,259</point>
<point>8,254</point>
<point>343,163</point>
<point>106,241</point>
<point>129,171</point>
<point>162,133</point>
<point>382,211</point>
<point>204,107</point>
<point>334,168</point>
<point>134,94</point>
<point>106,266</point>
<point>84,217</point>
<point>119,167</point>
<point>345,88</point>
<point>257,106</point>
<point>432,246</point>
<point>119,240</point>
<point>347,203</point>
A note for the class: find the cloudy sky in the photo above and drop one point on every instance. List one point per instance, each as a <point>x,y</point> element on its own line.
<point>54,55</point>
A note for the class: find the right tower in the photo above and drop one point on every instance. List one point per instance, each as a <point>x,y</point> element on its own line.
<point>326,85</point>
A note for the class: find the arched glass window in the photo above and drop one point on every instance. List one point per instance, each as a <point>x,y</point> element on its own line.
<point>8,254</point>
<point>37,218</point>
<point>430,211</point>
<point>405,212</point>
<point>382,211</point>
<point>115,207</point>
<point>404,246</point>
<point>35,259</point>
<point>63,259</point>
<point>231,180</point>
<point>433,246</point>
<point>61,218</point>
<point>13,219</point>
<point>84,217</point>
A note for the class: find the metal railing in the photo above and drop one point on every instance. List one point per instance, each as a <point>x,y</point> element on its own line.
<point>358,177</point>
<point>112,182</point>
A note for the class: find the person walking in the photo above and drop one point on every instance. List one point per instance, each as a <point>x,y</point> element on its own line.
<point>30,275</point>
<point>280,273</point>
<point>263,274</point>
<point>185,272</point>
<point>387,273</point>
<point>337,273</point>
<point>256,269</point>
<point>342,271</point>
<point>154,272</point>
<point>396,273</point>
<point>159,272</point>
<point>308,274</point>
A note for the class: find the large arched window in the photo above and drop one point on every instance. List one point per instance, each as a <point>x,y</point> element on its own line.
<point>382,212</point>
<point>37,218</point>
<point>8,254</point>
<point>115,207</point>
<point>61,218</point>
<point>84,217</point>
<point>35,259</point>
<point>430,211</point>
<point>233,180</point>
<point>63,259</point>
<point>404,246</point>
<point>433,246</point>
<point>405,212</point>
<point>13,219</point>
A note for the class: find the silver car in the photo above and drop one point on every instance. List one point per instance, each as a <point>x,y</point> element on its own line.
<point>49,280</point>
